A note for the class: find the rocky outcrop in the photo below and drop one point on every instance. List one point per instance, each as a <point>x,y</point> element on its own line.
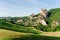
<point>19,20</point>
<point>55,23</point>
<point>32,16</point>
<point>43,13</point>
<point>34,20</point>
<point>42,16</point>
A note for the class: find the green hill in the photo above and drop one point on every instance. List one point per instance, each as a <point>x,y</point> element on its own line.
<point>55,14</point>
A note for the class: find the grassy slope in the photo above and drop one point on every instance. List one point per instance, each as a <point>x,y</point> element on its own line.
<point>6,33</point>
<point>9,26</point>
<point>55,14</point>
<point>11,35</point>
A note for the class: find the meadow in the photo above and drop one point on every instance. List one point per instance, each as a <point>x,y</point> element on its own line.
<point>12,35</point>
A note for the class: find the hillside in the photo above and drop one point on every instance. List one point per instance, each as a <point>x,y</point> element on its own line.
<point>46,20</point>
<point>9,35</point>
<point>5,34</point>
<point>12,35</point>
<point>55,15</point>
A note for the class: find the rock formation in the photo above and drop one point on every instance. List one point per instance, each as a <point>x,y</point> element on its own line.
<point>32,16</point>
<point>55,23</point>
<point>19,20</point>
<point>34,20</point>
<point>42,16</point>
<point>43,13</point>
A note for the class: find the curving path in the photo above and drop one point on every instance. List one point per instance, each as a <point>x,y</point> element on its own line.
<point>57,34</point>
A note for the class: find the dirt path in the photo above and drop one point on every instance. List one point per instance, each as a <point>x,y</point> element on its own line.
<point>57,34</point>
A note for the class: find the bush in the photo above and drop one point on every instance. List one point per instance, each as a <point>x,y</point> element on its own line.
<point>46,28</point>
<point>58,28</point>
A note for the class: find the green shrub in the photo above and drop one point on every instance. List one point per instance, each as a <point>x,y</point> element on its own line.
<point>58,28</point>
<point>49,29</point>
<point>46,28</point>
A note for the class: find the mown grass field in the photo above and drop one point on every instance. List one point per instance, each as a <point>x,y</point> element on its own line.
<point>12,35</point>
<point>6,34</point>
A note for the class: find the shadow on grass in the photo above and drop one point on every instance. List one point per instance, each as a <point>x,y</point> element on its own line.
<point>36,37</point>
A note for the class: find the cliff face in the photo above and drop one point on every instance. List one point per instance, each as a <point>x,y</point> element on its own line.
<point>41,17</point>
<point>44,13</point>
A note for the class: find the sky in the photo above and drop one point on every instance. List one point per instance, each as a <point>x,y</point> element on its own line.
<point>25,7</point>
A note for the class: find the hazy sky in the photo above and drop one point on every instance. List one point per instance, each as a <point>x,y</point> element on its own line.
<point>25,7</point>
